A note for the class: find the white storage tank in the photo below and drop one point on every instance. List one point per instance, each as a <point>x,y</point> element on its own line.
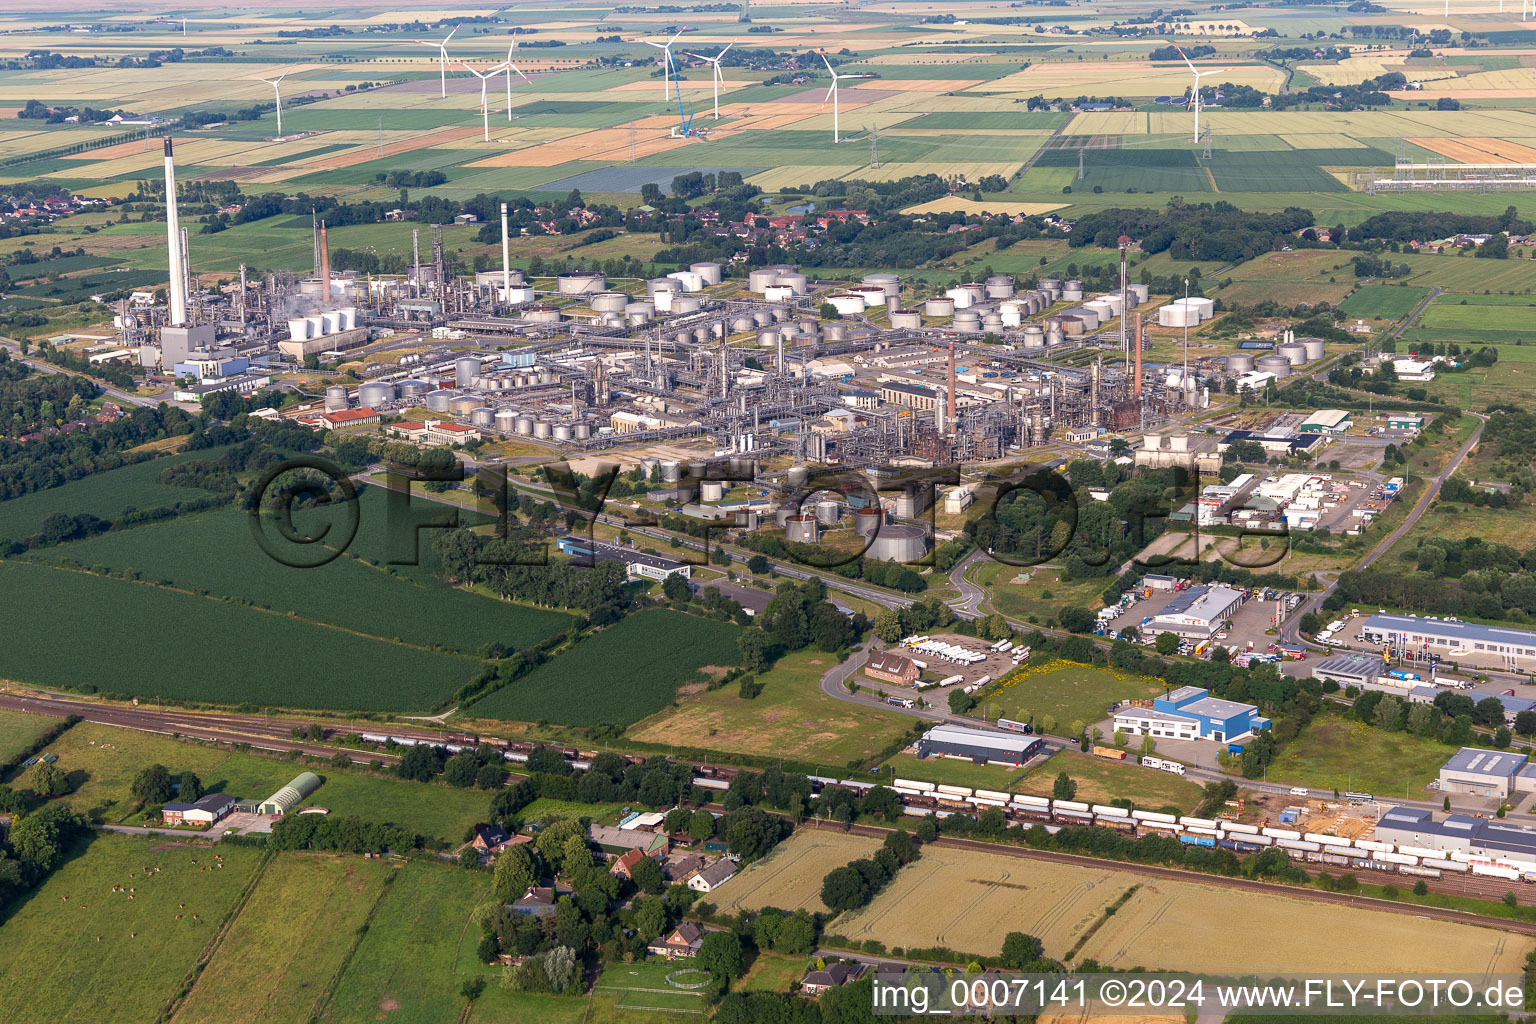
<point>1105,311</point>
<point>525,425</point>
<point>659,284</point>
<point>795,281</point>
<point>829,512</point>
<point>759,280</point>
<point>690,281</point>
<point>847,303</point>
<point>375,393</point>
<point>968,322</point>
<point>1206,308</point>
<point>710,273</point>
<point>1141,292</point>
<point>582,430</point>
<point>779,293</point>
<point>1000,286</point>
<point>580,282</point>
<point>1177,315</point>
<point>438,400</point>
<point>1293,352</point>
<point>898,543</point>
<point>506,421</point>
<point>1034,337</point>
<point>1088,317</point>
<point>712,490</point>
<point>482,417</point>
<point>890,283</point>
<point>542,315</point>
<point>562,431</point>
<point>1011,312</point>
<point>1240,362</point>
<point>960,296</point>
<point>541,429</point>
<point>867,520</point>
<point>335,398</point>
<point>1275,364</point>
<point>1313,348</point>
<point>465,371</point>
<point>518,294</point>
<point>801,529</point>
<point>463,405</point>
<point>905,319</point>
<point>609,302</point>
<point>873,295</point>
<point>348,317</point>
<point>939,306</point>
<point>1072,291</point>
<point>412,388</point>
<point>686,303</point>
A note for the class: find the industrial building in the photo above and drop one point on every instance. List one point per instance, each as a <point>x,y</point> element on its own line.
<point>1197,613</point>
<point>1477,837</point>
<point>1495,773</point>
<point>1360,670</point>
<point>206,811</point>
<point>287,798</point>
<point>980,746</point>
<point>892,668</point>
<point>1446,637</point>
<point>638,564</point>
<point>1190,712</point>
<point>1327,421</point>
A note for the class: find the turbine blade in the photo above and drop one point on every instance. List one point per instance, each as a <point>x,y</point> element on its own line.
<point>830,90</point>
<point>521,75</point>
<point>727,47</point>
<point>823,55</point>
<point>1186,60</point>
<point>450,34</point>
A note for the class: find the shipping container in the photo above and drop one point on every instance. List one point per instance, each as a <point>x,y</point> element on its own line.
<point>992,794</point>
<point>1068,805</point>
<point>1154,816</point>
<point>1112,753</point>
<point>1112,811</point>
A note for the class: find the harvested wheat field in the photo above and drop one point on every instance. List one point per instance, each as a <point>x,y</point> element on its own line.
<point>1188,926</point>
<point>790,877</point>
<point>603,144</point>
<point>440,137</point>
<point>1479,151</point>
<point>918,84</point>
<point>968,901</point>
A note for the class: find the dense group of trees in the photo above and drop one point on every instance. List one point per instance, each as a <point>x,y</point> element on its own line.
<point>798,616</point>
<point>1202,231</point>
<point>855,884</point>
<point>1402,226</point>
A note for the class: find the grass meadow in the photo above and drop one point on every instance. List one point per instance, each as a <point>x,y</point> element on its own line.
<point>1066,691</point>
<point>19,730</point>
<point>1336,753</point>
<point>1383,302</point>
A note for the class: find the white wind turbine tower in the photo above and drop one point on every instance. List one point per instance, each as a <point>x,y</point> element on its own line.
<point>832,91</point>
<point>485,77</point>
<point>511,68</point>
<point>1194,97</point>
<point>667,68</point>
<point>277,92</point>
<point>714,63</point>
<point>442,57</point>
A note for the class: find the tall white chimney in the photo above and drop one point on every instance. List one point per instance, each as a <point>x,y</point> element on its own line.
<point>506,258</point>
<point>178,295</point>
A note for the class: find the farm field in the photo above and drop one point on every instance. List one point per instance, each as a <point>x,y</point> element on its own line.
<point>1336,753</point>
<point>1066,691</point>
<point>1289,278</point>
<point>967,901</point>
<point>1100,780</point>
<point>292,937</point>
<point>620,675</point>
<point>214,553</point>
<point>789,718</point>
<point>1173,926</point>
<point>286,662</point>
<point>1458,313</point>
<point>75,935</point>
<point>19,730</point>
<point>1383,302</point>
<point>790,876</point>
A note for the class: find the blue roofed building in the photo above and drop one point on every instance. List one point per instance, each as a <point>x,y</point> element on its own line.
<point>1191,713</point>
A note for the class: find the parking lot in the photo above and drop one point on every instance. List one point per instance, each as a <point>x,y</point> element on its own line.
<point>994,665</point>
<point>1248,629</point>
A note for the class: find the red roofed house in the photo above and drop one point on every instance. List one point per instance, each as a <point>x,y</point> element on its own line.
<point>684,941</point>
<point>454,433</point>
<point>624,864</point>
<point>893,668</point>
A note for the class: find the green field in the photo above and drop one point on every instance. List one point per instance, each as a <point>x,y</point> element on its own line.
<point>1336,753</point>
<point>1100,780</point>
<point>19,730</point>
<point>1067,692</point>
<point>214,553</point>
<point>1494,313</point>
<point>276,964</point>
<point>196,648</point>
<point>1383,302</point>
<point>74,942</point>
<point>620,675</point>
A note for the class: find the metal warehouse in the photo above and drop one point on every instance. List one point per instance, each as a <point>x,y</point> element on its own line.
<point>978,745</point>
<point>1360,670</point>
<point>287,798</point>
<point>1197,613</point>
<point>1487,773</point>
<point>1459,638</point>
<point>638,564</point>
<point>1484,837</point>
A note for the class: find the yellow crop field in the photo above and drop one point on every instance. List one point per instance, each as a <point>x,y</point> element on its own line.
<point>1188,926</point>
<point>943,168</point>
<point>965,900</point>
<point>603,144</point>
<point>1322,140</point>
<point>1516,79</point>
<point>1480,151</point>
<point>960,204</point>
<point>924,85</point>
<point>1124,78</point>
<point>797,174</point>
<point>790,877</point>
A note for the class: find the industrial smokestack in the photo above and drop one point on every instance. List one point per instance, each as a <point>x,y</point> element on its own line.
<point>177,294</point>
<point>506,258</point>
<point>1136,379</point>
<point>951,408</point>
<point>186,268</point>
<point>325,266</point>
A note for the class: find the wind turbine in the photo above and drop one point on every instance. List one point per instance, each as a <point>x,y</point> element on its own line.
<point>1194,96</point>
<point>667,67</point>
<point>485,77</point>
<point>275,83</point>
<point>719,78</point>
<point>832,92</point>
<point>511,68</point>
<point>442,56</point>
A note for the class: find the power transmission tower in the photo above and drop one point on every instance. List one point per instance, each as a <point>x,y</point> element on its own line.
<point>874,145</point>
<point>1206,155</point>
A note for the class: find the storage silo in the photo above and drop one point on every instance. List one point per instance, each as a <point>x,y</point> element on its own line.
<point>1293,352</point>
<point>463,405</point>
<point>847,303</point>
<point>438,400</point>
<point>1177,315</point>
<point>967,322</point>
<point>483,417</point>
<point>939,306</point>
<point>905,319</point>
<point>525,425</point>
<point>759,280</point>
<point>1000,286</point>
<point>581,430</point>
<point>1072,291</point>
<point>898,543</point>
<point>768,337</point>
<point>1239,362</point>
<point>1275,364</point>
<point>580,282</point>
<point>867,520</point>
<point>609,302</point>
<point>335,398</point>
<point>961,296</point>
<point>506,421</point>
<point>541,429</point>
<point>1034,337</point>
<point>712,273</point>
<point>466,370</point>
<point>801,529</point>
<point>375,393</point>
<point>829,512</point>
<point>542,315</point>
<point>1313,347</point>
<point>1114,300</point>
<point>712,490</point>
<point>835,332</point>
<point>562,432</point>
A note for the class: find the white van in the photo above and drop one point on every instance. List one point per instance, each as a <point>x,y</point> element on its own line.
<point>1298,791</point>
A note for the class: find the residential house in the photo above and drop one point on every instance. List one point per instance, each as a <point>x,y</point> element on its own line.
<point>710,878</point>
<point>539,901</point>
<point>684,941</point>
<point>490,838</point>
<point>679,867</point>
<point>832,976</point>
<point>205,811</point>
<point>624,865</point>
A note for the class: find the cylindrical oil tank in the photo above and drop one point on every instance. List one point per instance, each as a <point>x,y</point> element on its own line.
<point>463,405</point>
<point>640,309</point>
<point>741,323</point>
<point>759,280</point>
<point>961,296</point>
<point>1089,318</point>
<point>905,319</point>
<point>1105,311</point>
<point>1275,364</point>
<point>412,388</point>
<point>615,320</point>
<point>762,318</point>
<point>1055,336</point>
<point>1141,292</point>
<point>541,429</point>
<point>298,329</point>
<point>779,292</point>
<point>1313,347</point>
<point>671,471</point>
<point>482,417</point>
<point>1034,337</point>
<point>1239,362</point>
<point>525,425</point>
<point>767,338</point>
<point>1206,308</point>
<point>542,314</point>
<point>967,321</point>
<point>466,370</point>
<point>873,295</point>
<point>375,393</point>
<point>1050,284</point>
<point>801,529</point>
<point>846,303</point>
<point>1010,313</point>
<point>712,490</point>
<point>897,543</point>
<point>1071,324</point>
<point>562,432</point>
<point>609,302</point>
<point>809,325</point>
<point>939,306</point>
<point>1072,291</point>
<point>712,273</point>
<point>660,284</point>
<point>438,400</point>
<point>835,332</point>
<point>867,520</point>
<point>1293,352</point>
<point>506,421</point>
<point>999,286</point>
<point>336,398</point>
<point>796,282</point>
<point>689,281</point>
<point>889,282</point>
<point>781,515</point>
<point>683,337</point>
<point>581,430</point>
<point>518,294</point>
<point>701,335</point>
<point>580,282</point>
<point>686,303</point>
<point>991,322</point>
<point>1114,300</point>
<point>780,313</point>
<point>828,512</point>
<point>1176,315</point>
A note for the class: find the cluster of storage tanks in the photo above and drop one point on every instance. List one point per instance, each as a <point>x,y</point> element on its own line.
<point>318,325</point>
<point>1288,354</point>
<point>995,306</point>
<point>1191,312</point>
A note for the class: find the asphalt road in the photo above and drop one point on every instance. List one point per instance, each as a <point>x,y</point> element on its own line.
<point>111,392</point>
